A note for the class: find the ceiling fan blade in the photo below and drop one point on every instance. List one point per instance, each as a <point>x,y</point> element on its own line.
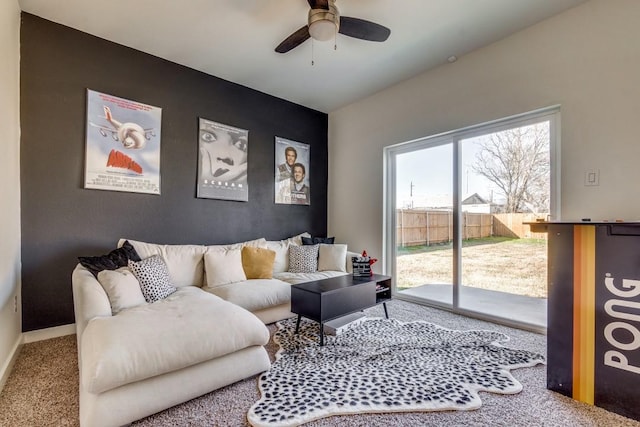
<point>319,4</point>
<point>361,29</point>
<point>293,40</point>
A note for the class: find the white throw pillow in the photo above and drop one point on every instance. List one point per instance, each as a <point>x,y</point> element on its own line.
<point>184,262</point>
<point>122,288</point>
<point>223,267</point>
<point>153,275</point>
<point>303,259</point>
<point>257,243</point>
<point>281,248</point>
<point>332,258</point>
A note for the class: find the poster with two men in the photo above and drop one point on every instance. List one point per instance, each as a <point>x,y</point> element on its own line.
<point>292,173</point>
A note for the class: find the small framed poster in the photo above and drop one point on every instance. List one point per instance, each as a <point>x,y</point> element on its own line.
<point>222,161</point>
<point>292,172</point>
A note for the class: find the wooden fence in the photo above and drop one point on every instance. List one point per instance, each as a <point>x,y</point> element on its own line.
<point>417,227</point>
<point>513,225</point>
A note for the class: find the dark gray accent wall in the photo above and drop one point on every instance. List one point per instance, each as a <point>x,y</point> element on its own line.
<point>61,220</point>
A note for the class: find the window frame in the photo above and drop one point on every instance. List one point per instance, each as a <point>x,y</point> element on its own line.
<point>454,137</point>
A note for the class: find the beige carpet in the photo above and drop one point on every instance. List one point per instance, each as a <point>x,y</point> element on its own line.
<point>43,391</point>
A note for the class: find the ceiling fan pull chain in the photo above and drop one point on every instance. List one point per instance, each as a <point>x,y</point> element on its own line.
<point>312,63</point>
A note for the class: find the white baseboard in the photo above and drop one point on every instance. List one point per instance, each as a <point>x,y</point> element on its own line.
<point>5,370</point>
<point>45,334</point>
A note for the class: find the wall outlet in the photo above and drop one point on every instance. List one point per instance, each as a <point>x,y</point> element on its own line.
<point>592,177</point>
<point>15,303</point>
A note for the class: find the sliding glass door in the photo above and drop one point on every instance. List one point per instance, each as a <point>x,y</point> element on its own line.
<point>505,184</point>
<point>424,221</point>
<point>456,214</point>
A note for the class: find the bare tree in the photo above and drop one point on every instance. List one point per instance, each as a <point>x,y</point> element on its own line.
<point>517,162</point>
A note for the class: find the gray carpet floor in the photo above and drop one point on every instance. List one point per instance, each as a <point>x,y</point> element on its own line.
<point>42,390</point>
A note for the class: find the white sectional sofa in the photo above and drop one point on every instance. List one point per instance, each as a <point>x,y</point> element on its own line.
<point>208,333</point>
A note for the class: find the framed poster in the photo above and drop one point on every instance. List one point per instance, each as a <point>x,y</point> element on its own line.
<point>222,161</point>
<point>122,145</point>
<point>292,172</point>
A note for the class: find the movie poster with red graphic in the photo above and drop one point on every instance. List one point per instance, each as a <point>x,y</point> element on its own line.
<point>122,145</point>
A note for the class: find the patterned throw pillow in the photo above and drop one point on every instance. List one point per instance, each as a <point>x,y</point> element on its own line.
<point>303,259</point>
<point>153,275</point>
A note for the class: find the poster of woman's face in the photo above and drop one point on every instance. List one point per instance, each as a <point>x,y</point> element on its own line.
<point>222,161</point>
<point>292,172</point>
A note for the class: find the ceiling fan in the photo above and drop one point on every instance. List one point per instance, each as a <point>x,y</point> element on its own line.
<point>324,22</point>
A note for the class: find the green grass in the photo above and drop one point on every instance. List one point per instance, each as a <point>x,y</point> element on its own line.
<point>410,250</point>
<point>502,264</point>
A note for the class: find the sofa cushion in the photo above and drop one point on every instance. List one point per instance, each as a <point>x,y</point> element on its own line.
<point>257,243</point>
<point>153,275</point>
<point>185,262</point>
<point>258,262</point>
<point>303,259</point>
<point>179,331</point>
<point>281,248</point>
<point>255,294</point>
<point>122,288</point>
<point>113,260</point>
<point>332,257</point>
<point>295,278</point>
<point>223,267</point>
<point>232,246</point>
<point>297,239</point>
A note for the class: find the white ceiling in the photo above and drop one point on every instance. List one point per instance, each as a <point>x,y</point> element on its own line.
<point>235,39</point>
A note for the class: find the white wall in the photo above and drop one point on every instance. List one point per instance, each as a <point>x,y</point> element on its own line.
<point>10,324</point>
<point>586,59</point>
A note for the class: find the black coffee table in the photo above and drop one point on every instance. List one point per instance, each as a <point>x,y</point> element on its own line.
<point>327,299</point>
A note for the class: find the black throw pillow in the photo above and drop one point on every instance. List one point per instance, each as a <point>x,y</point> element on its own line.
<point>317,240</point>
<point>113,260</point>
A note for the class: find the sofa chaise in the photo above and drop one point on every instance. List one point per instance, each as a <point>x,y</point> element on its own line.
<point>207,333</point>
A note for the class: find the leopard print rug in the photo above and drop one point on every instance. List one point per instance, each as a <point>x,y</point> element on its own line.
<point>383,365</point>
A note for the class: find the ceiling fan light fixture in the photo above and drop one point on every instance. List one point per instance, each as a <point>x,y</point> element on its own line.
<point>324,23</point>
<point>322,30</point>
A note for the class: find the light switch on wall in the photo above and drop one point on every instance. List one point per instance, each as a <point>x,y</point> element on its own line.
<point>592,177</point>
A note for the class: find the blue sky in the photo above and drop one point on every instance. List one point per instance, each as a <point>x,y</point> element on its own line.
<point>431,171</point>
